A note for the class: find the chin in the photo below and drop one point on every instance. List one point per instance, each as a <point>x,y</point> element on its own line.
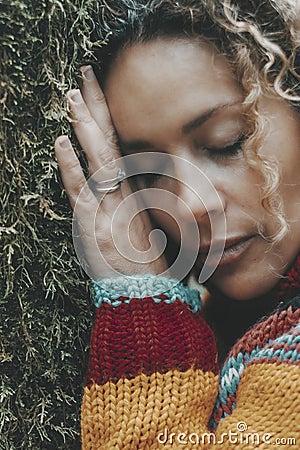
<point>243,287</point>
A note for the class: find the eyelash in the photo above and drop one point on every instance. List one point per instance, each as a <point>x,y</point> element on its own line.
<point>227,151</point>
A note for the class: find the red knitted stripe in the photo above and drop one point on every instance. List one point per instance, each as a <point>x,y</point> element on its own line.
<point>289,286</point>
<point>146,337</point>
<point>225,409</point>
<point>271,328</point>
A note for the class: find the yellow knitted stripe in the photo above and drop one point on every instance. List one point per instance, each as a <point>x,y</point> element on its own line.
<point>131,413</point>
<point>268,402</point>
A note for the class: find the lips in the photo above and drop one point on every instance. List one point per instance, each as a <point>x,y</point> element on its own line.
<point>226,252</point>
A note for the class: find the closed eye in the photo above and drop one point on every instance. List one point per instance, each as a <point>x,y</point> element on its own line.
<point>229,150</point>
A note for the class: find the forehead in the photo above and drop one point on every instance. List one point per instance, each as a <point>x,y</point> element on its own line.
<point>165,81</point>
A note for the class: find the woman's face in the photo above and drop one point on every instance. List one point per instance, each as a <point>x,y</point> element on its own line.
<point>180,97</point>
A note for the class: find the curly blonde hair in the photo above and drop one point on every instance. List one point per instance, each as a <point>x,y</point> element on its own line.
<point>260,39</point>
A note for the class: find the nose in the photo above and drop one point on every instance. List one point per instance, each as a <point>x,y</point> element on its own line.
<point>198,193</point>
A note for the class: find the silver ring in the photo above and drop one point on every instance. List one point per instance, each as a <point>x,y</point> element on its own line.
<point>111,185</point>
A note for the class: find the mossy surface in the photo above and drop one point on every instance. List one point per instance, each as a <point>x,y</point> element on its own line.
<point>46,313</point>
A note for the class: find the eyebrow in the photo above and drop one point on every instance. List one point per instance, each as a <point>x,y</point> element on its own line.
<point>187,128</point>
<point>195,123</point>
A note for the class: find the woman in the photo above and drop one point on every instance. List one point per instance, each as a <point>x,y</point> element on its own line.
<point>212,88</point>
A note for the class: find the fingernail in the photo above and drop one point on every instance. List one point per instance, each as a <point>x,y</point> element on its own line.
<point>88,73</point>
<point>64,142</point>
<point>75,96</point>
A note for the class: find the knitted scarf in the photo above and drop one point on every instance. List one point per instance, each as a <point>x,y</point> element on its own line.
<point>290,285</point>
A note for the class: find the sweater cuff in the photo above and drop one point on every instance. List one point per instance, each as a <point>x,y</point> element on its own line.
<point>118,290</point>
<point>138,330</point>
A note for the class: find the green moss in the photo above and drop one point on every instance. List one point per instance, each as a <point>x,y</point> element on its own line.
<point>46,313</point>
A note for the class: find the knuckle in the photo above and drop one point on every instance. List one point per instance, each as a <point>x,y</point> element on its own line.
<point>72,165</point>
<point>111,138</point>
<point>100,98</point>
<point>82,118</point>
<point>106,156</point>
<point>82,190</point>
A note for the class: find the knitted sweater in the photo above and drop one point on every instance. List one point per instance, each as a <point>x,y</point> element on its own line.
<point>153,380</point>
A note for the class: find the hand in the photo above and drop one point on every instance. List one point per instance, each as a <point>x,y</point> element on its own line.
<point>112,243</point>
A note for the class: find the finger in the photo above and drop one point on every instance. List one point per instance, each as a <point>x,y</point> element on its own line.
<point>98,150</point>
<point>72,175</point>
<point>83,200</point>
<point>96,102</point>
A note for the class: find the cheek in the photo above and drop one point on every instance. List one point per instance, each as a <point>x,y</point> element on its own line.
<point>289,187</point>
<point>242,189</point>
<point>290,194</point>
<point>282,145</point>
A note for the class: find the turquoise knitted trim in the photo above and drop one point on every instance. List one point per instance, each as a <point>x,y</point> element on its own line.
<point>109,290</point>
